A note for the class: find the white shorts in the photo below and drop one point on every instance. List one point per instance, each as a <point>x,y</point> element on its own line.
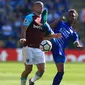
<point>33,55</point>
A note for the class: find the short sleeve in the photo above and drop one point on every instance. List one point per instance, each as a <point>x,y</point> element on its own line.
<point>75,37</point>
<point>28,19</point>
<point>47,29</point>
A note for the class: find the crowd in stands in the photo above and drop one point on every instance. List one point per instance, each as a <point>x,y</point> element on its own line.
<point>82,17</point>
<point>12,13</point>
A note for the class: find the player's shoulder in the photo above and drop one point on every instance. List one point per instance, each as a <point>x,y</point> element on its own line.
<point>29,15</point>
<point>28,19</point>
<point>61,22</point>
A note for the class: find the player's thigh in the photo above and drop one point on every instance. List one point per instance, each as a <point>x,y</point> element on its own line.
<point>40,59</point>
<point>60,67</point>
<point>41,67</point>
<point>39,56</point>
<point>28,68</point>
<point>59,58</point>
<point>27,55</point>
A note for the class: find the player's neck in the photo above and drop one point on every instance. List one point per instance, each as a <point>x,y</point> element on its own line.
<point>37,14</point>
<point>70,23</point>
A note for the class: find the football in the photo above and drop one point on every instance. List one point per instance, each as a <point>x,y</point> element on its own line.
<point>45,45</point>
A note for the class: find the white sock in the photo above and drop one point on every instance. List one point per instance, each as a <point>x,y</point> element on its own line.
<point>36,77</point>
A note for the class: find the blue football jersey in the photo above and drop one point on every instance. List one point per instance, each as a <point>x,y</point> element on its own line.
<point>68,33</point>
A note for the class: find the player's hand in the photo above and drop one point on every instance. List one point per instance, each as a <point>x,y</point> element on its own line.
<point>58,35</point>
<point>22,41</point>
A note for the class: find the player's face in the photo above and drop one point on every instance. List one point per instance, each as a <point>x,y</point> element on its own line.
<point>72,17</point>
<point>38,8</point>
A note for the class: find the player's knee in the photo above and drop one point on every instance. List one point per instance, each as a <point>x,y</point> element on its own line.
<point>60,70</point>
<point>28,70</point>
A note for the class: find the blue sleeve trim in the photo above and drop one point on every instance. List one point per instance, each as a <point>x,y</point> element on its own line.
<point>28,19</point>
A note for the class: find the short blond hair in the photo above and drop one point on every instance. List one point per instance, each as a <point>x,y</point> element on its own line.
<point>38,2</point>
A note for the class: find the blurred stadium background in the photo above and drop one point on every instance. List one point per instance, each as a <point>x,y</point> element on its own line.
<point>12,13</point>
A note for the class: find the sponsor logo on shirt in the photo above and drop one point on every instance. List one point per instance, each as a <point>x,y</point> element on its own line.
<point>37,26</point>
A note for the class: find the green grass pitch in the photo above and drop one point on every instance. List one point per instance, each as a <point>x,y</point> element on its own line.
<point>74,74</point>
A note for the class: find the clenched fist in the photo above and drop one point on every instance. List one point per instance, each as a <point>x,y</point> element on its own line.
<point>22,41</point>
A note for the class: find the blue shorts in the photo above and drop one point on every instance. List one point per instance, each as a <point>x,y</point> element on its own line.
<point>59,59</point>
<point>56,50</point>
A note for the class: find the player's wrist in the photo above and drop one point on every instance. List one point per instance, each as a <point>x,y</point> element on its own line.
<point>58,35</point>
<point>22,39</point>
<point>53,35</point>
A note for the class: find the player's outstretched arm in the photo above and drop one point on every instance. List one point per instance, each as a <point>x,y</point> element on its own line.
<point>49,32</point>
<point>53,24</point>
<point>58,35</point>
<point>76,41</point>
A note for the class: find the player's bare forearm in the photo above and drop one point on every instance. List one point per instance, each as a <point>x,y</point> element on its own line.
<point>58,35</point>
<point>23,35</point>
<point>52,25</point>
<point>23,32</point>
<point>47,37</point>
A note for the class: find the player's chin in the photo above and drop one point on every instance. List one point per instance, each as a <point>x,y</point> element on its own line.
<point>73,21</point>
<point>39,12</point>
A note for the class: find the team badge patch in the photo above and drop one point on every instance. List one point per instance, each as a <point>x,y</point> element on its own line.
<point>27,60</point>
<point>25,20</point>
